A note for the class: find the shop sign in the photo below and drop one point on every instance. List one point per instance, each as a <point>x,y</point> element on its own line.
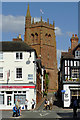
<point>66,95</point>
<point>66,100</point>
<point>30,76</point>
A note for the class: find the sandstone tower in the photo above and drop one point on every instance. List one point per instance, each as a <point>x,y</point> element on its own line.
<point>41,37</point>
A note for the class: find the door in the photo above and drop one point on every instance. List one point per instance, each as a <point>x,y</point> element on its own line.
<point>9,100</point>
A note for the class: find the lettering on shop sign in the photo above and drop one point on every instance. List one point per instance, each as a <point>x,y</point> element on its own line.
<point>30,76</point>
<point>66,95</point>
<point>66,100</point>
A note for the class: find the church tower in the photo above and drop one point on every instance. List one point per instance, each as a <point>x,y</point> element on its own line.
<point>41,36</point>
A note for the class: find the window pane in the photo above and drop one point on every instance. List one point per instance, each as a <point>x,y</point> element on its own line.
<point>21,98</point>
<point>18,72</point>
<point>1,72</point>
<point>1,99</point>
<point>20,55</point>
<point>1,69</point>
<point>1,56</point>
<point>17,55</point>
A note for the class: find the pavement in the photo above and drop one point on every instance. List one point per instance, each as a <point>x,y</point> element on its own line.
<point>57,111</point>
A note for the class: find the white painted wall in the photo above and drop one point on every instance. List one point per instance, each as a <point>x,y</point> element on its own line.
<point>67,100</point>
<point>9,63</point>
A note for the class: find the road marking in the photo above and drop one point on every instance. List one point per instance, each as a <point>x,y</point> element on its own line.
<point>43,114</point>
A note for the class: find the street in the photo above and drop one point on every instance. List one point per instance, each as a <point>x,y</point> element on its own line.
<point>42,114</point>
<point>57,112</point>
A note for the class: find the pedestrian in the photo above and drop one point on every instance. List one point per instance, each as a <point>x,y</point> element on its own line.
<point>75,105</point>
<point>33,103</point>
<point>48,104</point>
<point>45,104</point>
<point>26,104</point>
<point>18,107</point>
<point>51,103</point>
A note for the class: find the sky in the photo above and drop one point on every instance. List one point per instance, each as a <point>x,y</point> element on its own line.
<point>64,14</point>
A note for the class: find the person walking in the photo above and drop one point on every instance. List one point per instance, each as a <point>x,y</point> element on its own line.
<point>33,103</point>
<point>75,105</point>
<point>48,104</point>
<point>51,103</point>
<point>26,104</point>
<point>18,107</point>
<point>45,104</point>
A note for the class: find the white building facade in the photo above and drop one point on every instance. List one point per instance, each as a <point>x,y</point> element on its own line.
<point>17,74</point>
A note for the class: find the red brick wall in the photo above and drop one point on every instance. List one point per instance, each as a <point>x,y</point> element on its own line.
<point>45,46</point>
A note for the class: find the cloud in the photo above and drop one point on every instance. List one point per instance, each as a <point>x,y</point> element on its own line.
<point>13,23</point>
<point>58,31</point>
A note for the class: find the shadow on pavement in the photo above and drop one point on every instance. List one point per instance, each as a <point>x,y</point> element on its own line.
<point>69,115</point>
<point>57,102</point>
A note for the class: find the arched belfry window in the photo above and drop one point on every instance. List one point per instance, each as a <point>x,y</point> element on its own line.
<point>46,36</point>
<point>32,37</point>
<point>49,36</point>
<point>36,36</point>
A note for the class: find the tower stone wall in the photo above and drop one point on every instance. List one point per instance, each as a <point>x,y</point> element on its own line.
<point>41,37</point>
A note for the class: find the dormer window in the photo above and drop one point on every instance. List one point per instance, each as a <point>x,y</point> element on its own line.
<point>77,54</point>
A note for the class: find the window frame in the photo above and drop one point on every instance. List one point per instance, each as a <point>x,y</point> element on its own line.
<point>77,54</point>
<point>76,71</point>
<point>2,56</point>
<point>16,74</point>
<point>19,59</point>
<point>3,74</point>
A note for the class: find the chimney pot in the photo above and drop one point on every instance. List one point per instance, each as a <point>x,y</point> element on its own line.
<point>72,35</point>
<point>75,35</point>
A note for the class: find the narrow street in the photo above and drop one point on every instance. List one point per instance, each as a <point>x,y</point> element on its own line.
<point>57,112</point>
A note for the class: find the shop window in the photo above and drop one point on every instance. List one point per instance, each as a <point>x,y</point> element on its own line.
<point>1,72</point>
<point>15,91</point>
<point>19,73</point>
<point>2,91</point>
<point>19,56</point>
<point>21,98</point>
<point>24,91</point>
<point>1,99</point>
<point>19,91</point>
<point>74,93</point>
<point>1,55</point>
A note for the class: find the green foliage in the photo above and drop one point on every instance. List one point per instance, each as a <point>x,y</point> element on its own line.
<point>47,80</point>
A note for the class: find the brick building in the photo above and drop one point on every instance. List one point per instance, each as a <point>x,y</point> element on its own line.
<point>41,37</point>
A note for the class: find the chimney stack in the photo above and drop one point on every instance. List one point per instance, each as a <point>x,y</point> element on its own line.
<point>74,41</point>
<point>18,38</point>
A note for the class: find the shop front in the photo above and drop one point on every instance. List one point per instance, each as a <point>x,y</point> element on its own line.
<point>71,91</point>
<point>10,94</point>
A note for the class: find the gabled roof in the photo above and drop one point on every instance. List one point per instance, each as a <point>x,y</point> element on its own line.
<point>78,46</point>
<point>67,55</point>
<point>7,46</point>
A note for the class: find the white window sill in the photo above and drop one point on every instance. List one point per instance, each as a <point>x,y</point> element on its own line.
<point>18,60</point>
<point>18,80</point>
<point>1,80</point>
<point>1,60</point>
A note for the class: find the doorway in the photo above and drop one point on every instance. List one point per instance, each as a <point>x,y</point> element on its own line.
<point>9,99</point>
